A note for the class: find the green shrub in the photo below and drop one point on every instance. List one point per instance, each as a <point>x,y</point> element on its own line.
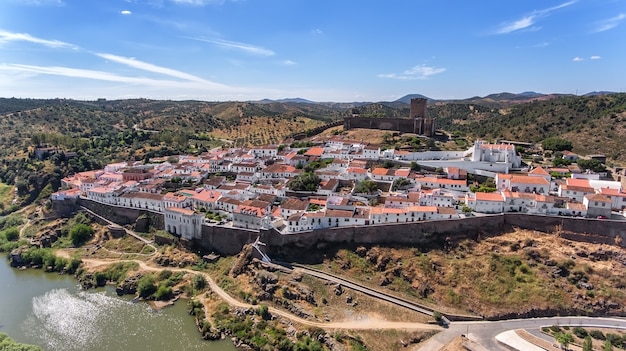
<point>146,286</point>
<point>199,282</point>
<point>580,332</point>
<point>163,293</point>
<point>11,234</point>
<point>80,234</point>
<point>598,335</point>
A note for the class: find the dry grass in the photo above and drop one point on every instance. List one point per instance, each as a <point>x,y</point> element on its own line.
<point>491,277</point>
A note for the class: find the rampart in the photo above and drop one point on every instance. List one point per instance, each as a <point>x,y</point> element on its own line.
<point>229,240</point>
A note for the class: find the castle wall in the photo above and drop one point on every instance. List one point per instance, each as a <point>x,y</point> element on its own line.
<point>229,240</point>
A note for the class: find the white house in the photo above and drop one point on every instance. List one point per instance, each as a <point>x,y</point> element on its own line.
<point>485,202</point>
<point>183,222</point>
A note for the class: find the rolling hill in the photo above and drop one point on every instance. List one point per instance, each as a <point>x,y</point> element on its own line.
<point>595,123</point>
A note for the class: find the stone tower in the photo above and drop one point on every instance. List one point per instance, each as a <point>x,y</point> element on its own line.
<point>421,124</point>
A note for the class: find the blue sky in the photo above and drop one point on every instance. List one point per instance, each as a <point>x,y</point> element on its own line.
<point>322,50</point>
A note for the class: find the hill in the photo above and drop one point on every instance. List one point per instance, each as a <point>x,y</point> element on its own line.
<point>594,124</point>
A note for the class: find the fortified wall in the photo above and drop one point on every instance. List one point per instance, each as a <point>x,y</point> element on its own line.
<point>417,122</point>
<point>230,241</point>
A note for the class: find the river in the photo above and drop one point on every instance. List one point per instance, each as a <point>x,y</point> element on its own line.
<point>49,310</point>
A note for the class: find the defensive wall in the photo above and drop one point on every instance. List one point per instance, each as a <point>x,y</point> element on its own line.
<point>229,241</point>
<point>405,125</point>
<point>315,131</point>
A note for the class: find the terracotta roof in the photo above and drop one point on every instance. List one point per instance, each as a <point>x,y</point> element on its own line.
<point>402,172</point>
<point>294,204</point>
<point>539,171</point>
<point>315,151</point>
<point>489,197</point>
<point>578,182</point>
<point>612,192</point>
<point>576,206</point>
<point>598,198</point>
<point>446,210</point>
<point>356,170</point>
<point>339,213</point>
<point>380,171</point>
<point>529,180</point>
<point>582,189</point>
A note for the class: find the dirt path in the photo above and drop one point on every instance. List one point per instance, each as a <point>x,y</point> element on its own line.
<point>362,324</point>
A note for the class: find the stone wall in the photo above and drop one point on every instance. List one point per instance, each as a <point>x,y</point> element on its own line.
<point>422,234</point>
<point>230,241</point>
<point>579,229</point>
<point>123,215</point>
<point>224,240</point>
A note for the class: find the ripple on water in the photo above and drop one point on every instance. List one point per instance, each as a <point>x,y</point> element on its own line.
<point>66,321</point>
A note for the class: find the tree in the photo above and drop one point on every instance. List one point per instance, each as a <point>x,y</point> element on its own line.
<point>557,144</point>
<point>415,166</point>
<point>12,234</point>
<point>564,339</point>
<point>199,282</point>
<point>607,346</point>
<point>80,233</point>
<point>588,344</point>
<point>559,161</point>
<point>593,165</point>
<point>307,181</point>
<point>366,187</point>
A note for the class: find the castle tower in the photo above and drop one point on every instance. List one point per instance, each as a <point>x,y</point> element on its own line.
<point>421,124</point>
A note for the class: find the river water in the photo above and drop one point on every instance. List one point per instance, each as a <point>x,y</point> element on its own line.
<point>50,310</point>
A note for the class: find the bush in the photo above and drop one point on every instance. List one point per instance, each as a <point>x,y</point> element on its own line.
<point>163,293</point>
<point>580,332</point>
<point>264,312</point>
<point>199,282</point>
<point>80,234</point>
<point>146,286</point>
<point>12,234</point>
<point>596,334</point>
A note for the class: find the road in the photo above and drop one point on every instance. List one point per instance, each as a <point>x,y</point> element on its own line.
<point>485,332</point>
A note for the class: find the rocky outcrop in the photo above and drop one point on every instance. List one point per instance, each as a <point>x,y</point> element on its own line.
<point>128,286</point>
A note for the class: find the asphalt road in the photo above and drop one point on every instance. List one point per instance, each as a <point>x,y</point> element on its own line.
<point>485,332</point>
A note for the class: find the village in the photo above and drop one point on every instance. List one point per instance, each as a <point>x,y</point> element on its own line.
<point>354,183</point>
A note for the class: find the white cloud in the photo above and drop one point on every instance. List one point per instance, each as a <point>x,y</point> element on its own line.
<point>609,23</point>
<point>251,49</point>
<point>6,37</point>
<point>595,57</point>
<point>105,76</point>
<point>126,12</point>
<point>578,59</point>
<point>527,21</point>
<point>517,25</point>
<point>414,73</point>
<point>317,31</point>
<point>288,63</point>
<point>151,68</point>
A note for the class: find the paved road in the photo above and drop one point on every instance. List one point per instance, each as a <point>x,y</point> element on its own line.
<point>485,332</point>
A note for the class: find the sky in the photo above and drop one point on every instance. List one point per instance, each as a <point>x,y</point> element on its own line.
<point>320,50</point>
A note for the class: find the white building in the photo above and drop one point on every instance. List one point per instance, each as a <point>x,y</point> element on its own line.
<point>485,202</point>
<point>183,222</point>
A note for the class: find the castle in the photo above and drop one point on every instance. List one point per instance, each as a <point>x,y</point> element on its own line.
<point>418,123</point>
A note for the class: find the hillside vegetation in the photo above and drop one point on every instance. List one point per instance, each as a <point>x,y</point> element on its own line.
<point>99,132</point>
